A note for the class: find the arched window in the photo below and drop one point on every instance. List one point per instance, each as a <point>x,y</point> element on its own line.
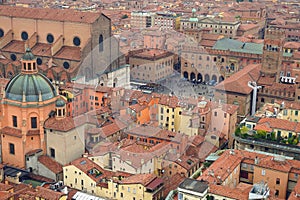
<point>185,75</point>
<point>101,43</point>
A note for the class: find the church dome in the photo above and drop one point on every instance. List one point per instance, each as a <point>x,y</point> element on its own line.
<point>32,86</point>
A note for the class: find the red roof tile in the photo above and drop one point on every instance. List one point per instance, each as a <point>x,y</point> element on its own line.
<point>238,82</point>
<point>11,131</point>
<point>143,179</point>
<point>69,53</point>
<point>67,15</point>
<point>51,164</point>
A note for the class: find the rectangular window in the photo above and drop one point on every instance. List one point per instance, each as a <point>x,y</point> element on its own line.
<point>33,122</point>
<point>52,152</point>
<point>278,134</point>
<point>225,115</point>
<point>296,112</point>
<point>216,114</point>
<point>263,172</point>
<point>277,181</point>
<point>276,193</point>
<point>161,110</point>
<point>11,148</point>
<point>15,121</point>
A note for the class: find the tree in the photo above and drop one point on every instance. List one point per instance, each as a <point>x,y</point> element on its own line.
<point>244,130</point>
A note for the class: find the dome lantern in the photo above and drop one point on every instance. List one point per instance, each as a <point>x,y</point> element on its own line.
<point>60,108</point>
<point>29,64</point>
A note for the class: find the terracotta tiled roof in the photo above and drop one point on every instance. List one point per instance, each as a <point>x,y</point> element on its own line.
<point>172,182</point>
<point>4,195</point>
<point>143,179</point>
<point>270,163</point>
<point>245,27</point>
<point>33,132</point>
<point>233,193</point>
<point>238,82</point>
<point>207,43</point>
<point>32,152</point>
<point>196,140</point>
<point>292,45</point>
<point>263,127</point>
<point>275,123</point>
<point>171,101</point>
<point>47,193</point>
<point>41,49</point>
<point>70,15</point>
<point>228,161</point>
<point>68,123</point>
<point>109,129</point>
<point>152,54</point>
<point>85,165</point>
<point>187,162</point>
<point>136,155</point>
<point>11,131</point>
<point>5,187</point>
<point>14,45</point>
<point>69,53</point>
<point>51,164</point>
<point>137,107</point>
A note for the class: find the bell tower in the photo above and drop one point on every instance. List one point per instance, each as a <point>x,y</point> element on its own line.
<point>272,53</point>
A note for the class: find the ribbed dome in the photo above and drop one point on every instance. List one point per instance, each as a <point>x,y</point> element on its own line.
<point>60,103</point>
<point>31,85</point>
<point>28,55</point>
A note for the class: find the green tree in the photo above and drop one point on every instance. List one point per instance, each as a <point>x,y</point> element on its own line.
<point>244,130</point>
